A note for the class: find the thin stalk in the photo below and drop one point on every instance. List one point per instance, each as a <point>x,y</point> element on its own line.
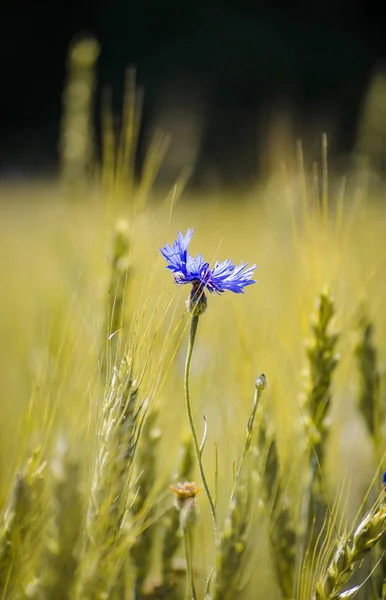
<point>197,449</point>
<point>260,385</point>
<point>190,589</point>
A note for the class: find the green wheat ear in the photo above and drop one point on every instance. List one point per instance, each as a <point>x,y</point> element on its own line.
<point>14,529</point>
<point>21,523</point>
<point>322,361</point>
<point>282,528</point>
<point>56,573</point>
<point>373,412</point>
<point>349,554</point>
<point>141,551</point>
<point>109,530</point>
<point>369,383</point>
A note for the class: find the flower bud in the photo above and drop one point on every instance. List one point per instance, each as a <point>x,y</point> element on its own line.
<point>261,382</point>
<point>197,302</point>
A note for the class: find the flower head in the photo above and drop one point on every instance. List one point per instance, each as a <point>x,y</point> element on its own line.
<point>185,490</point>
<point>186,502</point>
<point>225,276</point>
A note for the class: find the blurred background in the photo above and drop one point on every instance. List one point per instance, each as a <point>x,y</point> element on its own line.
<point>233,83</point>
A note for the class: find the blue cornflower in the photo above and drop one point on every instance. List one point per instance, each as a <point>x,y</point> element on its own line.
<point>225,276</point>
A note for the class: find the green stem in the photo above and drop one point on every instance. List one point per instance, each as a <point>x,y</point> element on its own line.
<point>192,337</point>
<point>190,590</point>
<point>260,385</point>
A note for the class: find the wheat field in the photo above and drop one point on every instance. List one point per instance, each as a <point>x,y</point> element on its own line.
<point>101,486</point>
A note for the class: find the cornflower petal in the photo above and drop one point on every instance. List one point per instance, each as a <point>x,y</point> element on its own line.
<point>225,276</point>
<point>176,256</point>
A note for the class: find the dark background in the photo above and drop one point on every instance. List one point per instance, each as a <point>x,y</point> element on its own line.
<point>245,56</point>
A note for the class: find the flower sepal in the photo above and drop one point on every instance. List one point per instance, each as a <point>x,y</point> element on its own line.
<point>197,302</point>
